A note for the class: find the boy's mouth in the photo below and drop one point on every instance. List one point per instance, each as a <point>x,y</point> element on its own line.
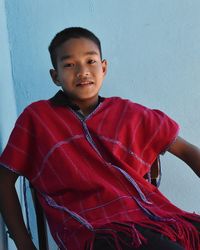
<point>84,83</point>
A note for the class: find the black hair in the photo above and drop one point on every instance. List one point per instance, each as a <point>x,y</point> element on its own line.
<point>68,33</point>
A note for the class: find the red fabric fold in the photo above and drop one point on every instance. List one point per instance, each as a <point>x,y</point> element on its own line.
<point>49,146</point>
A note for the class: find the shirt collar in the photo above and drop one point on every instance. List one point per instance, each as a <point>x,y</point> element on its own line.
<point>61,99</point>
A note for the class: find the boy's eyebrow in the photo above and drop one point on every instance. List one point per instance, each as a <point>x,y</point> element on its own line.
<point>92,52</point>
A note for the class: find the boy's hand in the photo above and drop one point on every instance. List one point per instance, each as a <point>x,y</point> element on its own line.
<point>187,152</point>
<point>11,210</point>
<point>27,246</point>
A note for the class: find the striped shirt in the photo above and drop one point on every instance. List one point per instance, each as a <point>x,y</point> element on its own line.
<point>89,171</point>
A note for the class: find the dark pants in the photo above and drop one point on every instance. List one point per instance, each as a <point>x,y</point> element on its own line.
<point>156,241</point>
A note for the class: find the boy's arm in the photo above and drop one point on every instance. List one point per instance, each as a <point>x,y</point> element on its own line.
<point>187,152</point>
<point>11,211</point>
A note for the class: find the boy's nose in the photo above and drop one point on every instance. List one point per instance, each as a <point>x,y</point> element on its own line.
<point>82,71</point>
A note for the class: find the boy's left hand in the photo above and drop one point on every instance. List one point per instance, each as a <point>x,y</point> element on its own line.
<point>187,152</point>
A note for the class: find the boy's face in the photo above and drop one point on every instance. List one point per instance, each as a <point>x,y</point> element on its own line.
<point>80,70</point>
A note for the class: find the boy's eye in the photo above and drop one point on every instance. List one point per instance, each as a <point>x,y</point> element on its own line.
<point>91,61</point>
<point>68,65</point>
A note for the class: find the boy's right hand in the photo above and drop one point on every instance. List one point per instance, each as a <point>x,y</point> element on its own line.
<point>11,210</point>
<point>27,246</point>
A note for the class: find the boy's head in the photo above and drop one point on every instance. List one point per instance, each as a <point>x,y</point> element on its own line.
<point>78,66</point>
<point>67,34</point>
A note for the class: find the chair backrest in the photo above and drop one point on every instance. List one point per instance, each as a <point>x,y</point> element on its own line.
<point>41,222</point>
<point>40,217</point>
<point>155,173</point>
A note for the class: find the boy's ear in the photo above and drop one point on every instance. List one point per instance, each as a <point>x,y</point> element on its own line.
<point>104,66</point>
<point>54,76</point>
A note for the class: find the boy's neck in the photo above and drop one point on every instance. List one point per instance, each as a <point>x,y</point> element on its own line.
<point>86,107</point>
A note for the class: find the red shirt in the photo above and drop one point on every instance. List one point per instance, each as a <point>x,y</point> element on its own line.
<point>89,171</point>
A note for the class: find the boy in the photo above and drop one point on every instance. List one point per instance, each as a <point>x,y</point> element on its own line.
<point>87,157</point>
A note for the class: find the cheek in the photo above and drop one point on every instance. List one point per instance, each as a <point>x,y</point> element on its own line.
<point>67,76</point>
<point>99,71</point>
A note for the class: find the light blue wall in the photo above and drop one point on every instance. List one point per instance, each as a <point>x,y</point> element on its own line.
<point>7,97</point>
<point>153,49</point>
<point>7,102</point>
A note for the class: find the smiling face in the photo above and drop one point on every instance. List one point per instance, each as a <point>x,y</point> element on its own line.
<point>80,71</point>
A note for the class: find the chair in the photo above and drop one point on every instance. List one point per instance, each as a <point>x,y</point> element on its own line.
<point>156,172</point>
<point>41,222</point>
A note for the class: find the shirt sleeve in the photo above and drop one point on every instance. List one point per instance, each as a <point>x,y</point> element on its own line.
<point>19,153</point>
<point>156,133</point>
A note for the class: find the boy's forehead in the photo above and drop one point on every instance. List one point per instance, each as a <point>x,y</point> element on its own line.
<point>77,46</point>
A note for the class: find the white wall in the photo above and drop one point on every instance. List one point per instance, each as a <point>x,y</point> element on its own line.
<point>7,102</point>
